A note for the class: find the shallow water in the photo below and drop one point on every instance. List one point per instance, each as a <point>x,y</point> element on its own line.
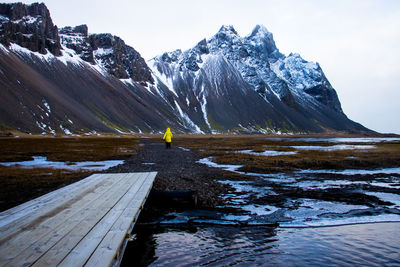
<point>42,162</point>
<point>338,139</point>
<point>298,210</point>
<point>351,245</point>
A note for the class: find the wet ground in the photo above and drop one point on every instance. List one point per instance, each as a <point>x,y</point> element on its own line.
<point>285,217</point>
<point>177,169</point>
<point>244,184</point>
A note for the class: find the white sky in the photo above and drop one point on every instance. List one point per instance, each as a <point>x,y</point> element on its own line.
<point>357,42</point>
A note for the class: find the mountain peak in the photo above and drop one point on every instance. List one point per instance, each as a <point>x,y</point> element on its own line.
<point>228,29</point>
<point>260,30</point>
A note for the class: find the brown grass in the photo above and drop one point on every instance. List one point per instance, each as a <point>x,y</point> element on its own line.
<point>223,150</point>
<point>67,149</point>
<point>18,185</point>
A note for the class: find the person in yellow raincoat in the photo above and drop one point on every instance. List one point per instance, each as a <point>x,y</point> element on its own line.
<point>168,138</point>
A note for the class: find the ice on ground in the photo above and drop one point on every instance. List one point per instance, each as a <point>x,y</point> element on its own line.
<point>337,139</point>
<point>183,148</point>
<point>245,186</point>
<point>267,153</point>
<point>389,197</point>
<point>259,209</point>
<point>341,221</point>
<point>334,148</point>
<point>355,171</point>
<point>310,211</point>
<point>324,184</point>
<point>227,167</point>
<point>42,162</point>
<point>240,218</point>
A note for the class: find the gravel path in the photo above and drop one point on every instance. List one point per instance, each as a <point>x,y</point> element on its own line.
<point>177,170</point>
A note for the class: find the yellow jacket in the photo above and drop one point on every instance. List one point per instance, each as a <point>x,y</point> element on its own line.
<point>168,136</point>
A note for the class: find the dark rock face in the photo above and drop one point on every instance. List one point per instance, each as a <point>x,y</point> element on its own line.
<point>30,27</point>
<point>121,60</point>
<point>76,38</point>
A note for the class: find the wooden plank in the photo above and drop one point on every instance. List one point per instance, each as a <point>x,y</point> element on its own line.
<point>107,250</point>
<point>30,212</point>
<point>67,244</point>
<point>29,233</point>
<point>81,253</point>
<point>74,229</point>
<point>35,203</point>
<point>43,244</point>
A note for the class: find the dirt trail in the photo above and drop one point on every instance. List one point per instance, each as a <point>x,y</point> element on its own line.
<point>177,170</point>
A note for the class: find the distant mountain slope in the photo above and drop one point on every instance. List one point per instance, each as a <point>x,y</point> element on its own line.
<point>64,81</point>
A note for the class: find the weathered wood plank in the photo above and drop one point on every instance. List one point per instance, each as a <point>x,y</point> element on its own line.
<point>24,235</point>
<point>36,203</point>
<point>81,253</point>
<point>69,227</point>
<point>67,244</point>
<point>94,211</point>
<point>107,250</point>
<point>30,212</point>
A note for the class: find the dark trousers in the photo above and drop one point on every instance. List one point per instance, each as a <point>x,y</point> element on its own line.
<point>167,145</point>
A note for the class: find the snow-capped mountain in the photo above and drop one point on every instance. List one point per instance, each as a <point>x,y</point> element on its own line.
<point>230,82</point>
<point>67,80</point>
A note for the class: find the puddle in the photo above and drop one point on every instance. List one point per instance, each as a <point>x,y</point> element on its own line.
<point>355,171</point>
<point>337,139</point>
<point>335,147</point>
<point>42,162</point>
<point>227,167</point>
<point>269,153</point>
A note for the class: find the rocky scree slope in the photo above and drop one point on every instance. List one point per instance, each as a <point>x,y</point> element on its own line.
<point>68,81</point>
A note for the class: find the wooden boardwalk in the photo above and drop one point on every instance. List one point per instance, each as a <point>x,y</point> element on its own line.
<point>83,224</point>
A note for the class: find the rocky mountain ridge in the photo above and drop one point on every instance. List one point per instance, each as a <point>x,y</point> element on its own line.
<point>67,80</point>
<point>271,92</point>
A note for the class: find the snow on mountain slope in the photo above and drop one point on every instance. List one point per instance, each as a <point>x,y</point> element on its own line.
<point>67,80</point>
<point>276,92</point>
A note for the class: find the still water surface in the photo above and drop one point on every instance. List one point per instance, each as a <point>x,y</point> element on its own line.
<point>376,244</point>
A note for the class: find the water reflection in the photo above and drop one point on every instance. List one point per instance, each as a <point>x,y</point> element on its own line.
<point>350,245</point>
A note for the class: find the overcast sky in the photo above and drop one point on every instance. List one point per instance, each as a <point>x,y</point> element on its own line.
<point>357,42</point>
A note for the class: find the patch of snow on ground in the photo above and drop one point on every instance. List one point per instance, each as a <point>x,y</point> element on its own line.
<point>208,162</point>
<point>267,152</point>
<point>335,147</point>
<point>66,131</point>
<point>355,171</point>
